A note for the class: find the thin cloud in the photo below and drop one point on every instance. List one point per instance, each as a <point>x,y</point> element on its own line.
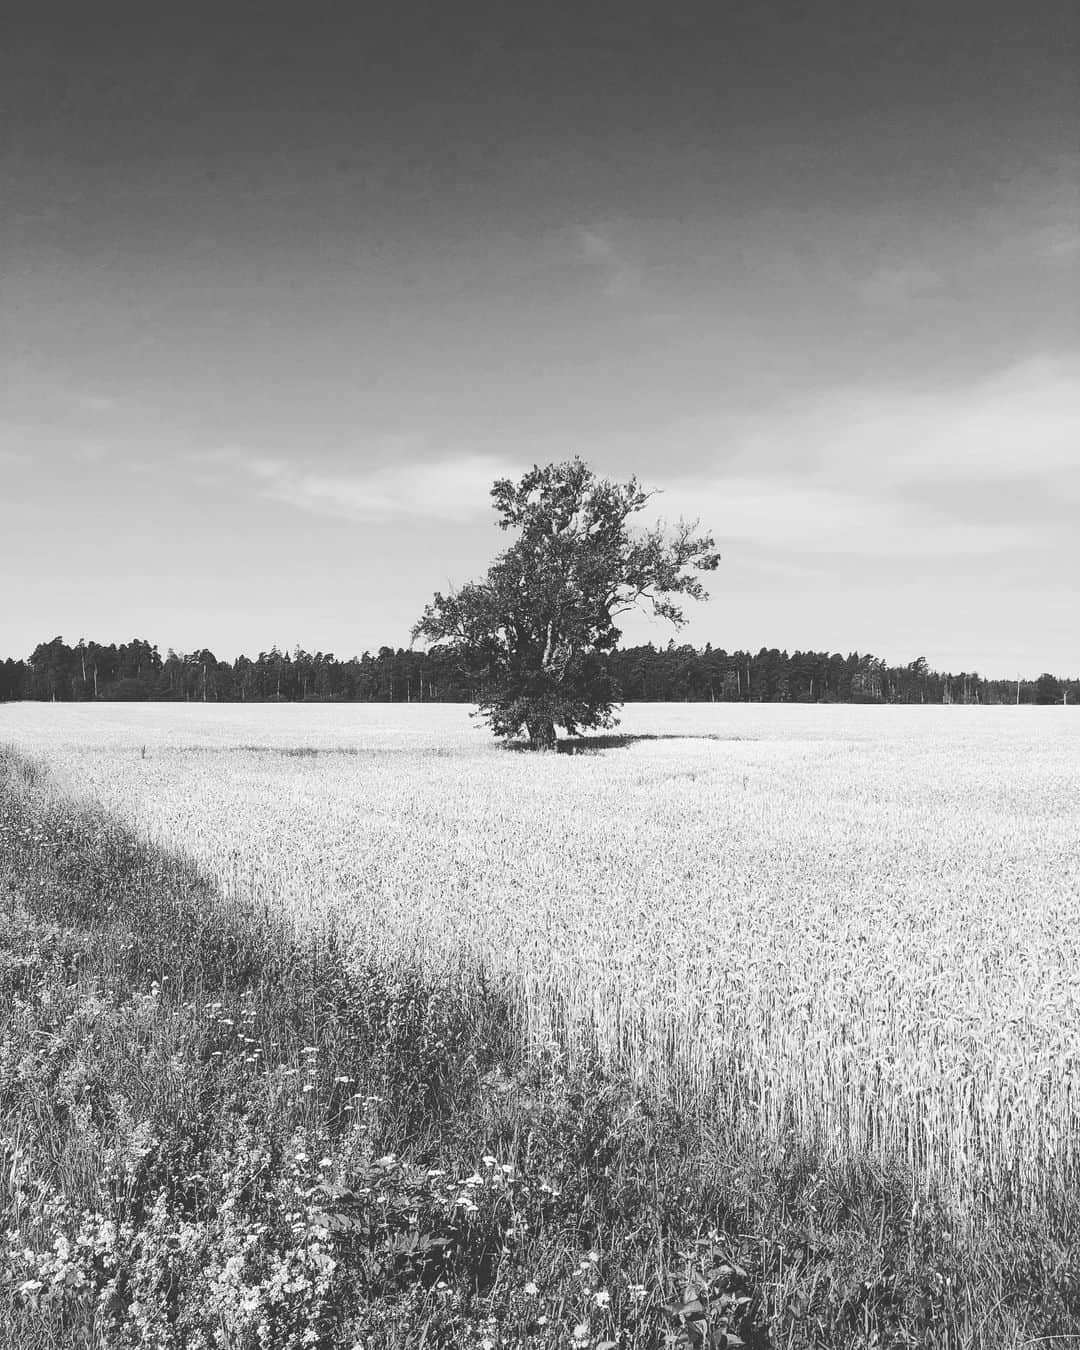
<point>896,286</point>
<point>1024,420</point>
<point>100,405</point>
<point>1036,212</point>
<point>902,473</point>
<point>1020,421</point>
<point>1057,239</point>
<point>455,489</point>
<point>93,452</point>
<point>596,248</point>
<point>812,519</point>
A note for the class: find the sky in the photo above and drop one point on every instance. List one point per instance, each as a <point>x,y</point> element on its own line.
<point>283,289</point>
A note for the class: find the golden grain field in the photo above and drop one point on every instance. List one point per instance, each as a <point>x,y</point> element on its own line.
<point>860,925</point>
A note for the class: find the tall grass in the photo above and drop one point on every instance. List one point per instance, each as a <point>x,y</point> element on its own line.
<point>650,984</point>
<point>859,925</point>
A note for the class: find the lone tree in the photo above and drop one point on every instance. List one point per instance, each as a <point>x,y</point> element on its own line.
<point>536,629</point>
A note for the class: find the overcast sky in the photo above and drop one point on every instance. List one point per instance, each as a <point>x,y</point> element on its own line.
<point>284,288</point>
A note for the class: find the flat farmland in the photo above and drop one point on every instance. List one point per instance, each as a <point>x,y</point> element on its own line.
<point>860,926</point>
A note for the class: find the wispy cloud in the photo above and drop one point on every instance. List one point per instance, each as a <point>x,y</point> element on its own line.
<point>453,489</point>
<point>897,285</point>
<point>1022,421</point>
<point>812,519</point>
<point>595,246</point>
<point>1057,239</point>
<point>93,452</point>
<point>88,402</point>
<point>982,469</point>
<point>1036,211</point>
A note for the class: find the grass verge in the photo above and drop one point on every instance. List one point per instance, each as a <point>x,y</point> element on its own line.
<point>216,1132</point>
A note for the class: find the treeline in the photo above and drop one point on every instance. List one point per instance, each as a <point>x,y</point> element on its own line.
<point>136,671</point>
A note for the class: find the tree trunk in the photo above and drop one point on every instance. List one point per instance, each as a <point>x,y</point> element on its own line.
<point>542,734</point>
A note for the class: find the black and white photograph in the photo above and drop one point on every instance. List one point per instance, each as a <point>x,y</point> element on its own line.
<point>540,675</point>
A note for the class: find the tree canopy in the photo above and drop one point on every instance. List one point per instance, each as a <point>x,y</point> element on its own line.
<point>538,625</point>
<point>94,671</point>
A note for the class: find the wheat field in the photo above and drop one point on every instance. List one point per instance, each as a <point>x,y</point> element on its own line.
<point>860,926</point>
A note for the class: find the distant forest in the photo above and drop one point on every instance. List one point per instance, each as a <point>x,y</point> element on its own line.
<point>135,671</point>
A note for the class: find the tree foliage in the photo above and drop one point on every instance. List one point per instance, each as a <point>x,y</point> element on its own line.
<point>539,624</point>
<point>93,671</point>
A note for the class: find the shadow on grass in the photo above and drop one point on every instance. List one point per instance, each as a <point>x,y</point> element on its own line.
<point>615,740</point>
